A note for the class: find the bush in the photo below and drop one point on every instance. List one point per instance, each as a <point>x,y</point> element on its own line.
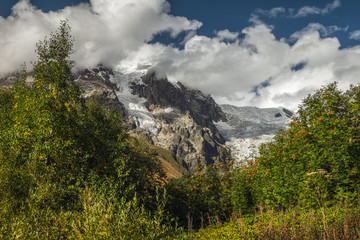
<point>203,197</point>
<point>317,159</point>
<point>342,222</point>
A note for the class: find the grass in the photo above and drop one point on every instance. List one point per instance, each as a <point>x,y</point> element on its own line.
<point>342,222</point>
<point>171,164</point>
<point>100,218</point>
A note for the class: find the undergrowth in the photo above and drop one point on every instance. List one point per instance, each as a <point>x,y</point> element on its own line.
<point>342,222</point>
<point>101,217</point>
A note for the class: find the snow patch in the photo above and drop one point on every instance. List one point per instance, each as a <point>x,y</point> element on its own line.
<point>137,107</point>
<point>223,126</point>
<point>247,148</point>
<point>168,110</point>
<point>175,84</point>
<point>134,105</point>
<point>249,127</point>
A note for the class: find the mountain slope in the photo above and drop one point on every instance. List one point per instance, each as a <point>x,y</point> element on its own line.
<point>248,127</point>
<point>166,114</point>
<point>183,121</point>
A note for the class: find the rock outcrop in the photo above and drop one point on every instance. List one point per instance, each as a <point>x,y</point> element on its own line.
<point>96,83</point>
<point>165,114</point>
<point>161,93</point>
<point>185,120</point>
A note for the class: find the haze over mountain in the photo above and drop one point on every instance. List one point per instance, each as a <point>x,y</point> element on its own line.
<point>249,65</point>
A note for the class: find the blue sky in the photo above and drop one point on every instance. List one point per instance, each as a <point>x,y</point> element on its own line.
<point>259,52</point>
<point>44,5</point>
<point>234,15</point>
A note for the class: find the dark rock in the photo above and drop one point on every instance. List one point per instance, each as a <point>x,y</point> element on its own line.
<point>288,113</point>
<point>96,83</point>
<point>191,120</point>
<point>162,93</point>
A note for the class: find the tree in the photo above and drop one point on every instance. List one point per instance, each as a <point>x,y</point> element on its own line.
<point>317,157</point>
<point>53,144</point>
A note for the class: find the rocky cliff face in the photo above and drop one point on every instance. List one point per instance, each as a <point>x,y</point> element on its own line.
<point>96,82</point>
<point>161,93</point>
<point>185,119</point>
<point>165,114</point>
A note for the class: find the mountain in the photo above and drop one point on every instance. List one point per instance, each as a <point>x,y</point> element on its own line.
<point>166,114</point>
<point>248,127</point>
<point>184,125</point>
<point>191,125</point>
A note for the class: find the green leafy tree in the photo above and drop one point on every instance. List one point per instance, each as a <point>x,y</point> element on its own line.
<point>53,144</point>
<point>317,157</point>
<point>203,197</point>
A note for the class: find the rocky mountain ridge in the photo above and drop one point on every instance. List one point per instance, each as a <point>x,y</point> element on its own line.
<point>166,114</point>
<point>191,125</point>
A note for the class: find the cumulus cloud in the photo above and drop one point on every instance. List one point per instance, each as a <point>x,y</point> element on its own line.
<point>227,35</point>
<point>248,68</point>
<point>281,73</point>
<point>105,30</point>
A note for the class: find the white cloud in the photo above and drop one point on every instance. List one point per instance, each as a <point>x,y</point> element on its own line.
<point>105,30</point>
<point>272,13</point>
<point>311,10</point>
<point>307,10</point>
<point>331,6</point>
<point>231,71</point>
<point>117,33</point>
<point>355,35</point>
<point>227,35</point>
<point>317,27</point>
<point>302,12</point>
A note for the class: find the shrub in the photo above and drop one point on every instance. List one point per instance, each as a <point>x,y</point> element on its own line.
<point>203,197</point>
<point>317,159</point>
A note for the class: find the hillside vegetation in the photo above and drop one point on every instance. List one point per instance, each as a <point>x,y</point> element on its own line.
<point>69,170</point>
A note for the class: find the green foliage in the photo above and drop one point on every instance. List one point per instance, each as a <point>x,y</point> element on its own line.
<point>53,67</point>
<point>242,192</point>
<point>53,144</point>
<point>317,159</point>
<point>343,222</point>
<point>202,197</point>
<point>104,216</point>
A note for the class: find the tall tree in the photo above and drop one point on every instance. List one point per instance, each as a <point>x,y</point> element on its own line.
<point>53,145</point>
<point>317,158</point>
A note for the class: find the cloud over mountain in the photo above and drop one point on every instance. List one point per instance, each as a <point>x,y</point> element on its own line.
<point>251,67</point>
<point>105,30</point>
<point>232,71</point>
